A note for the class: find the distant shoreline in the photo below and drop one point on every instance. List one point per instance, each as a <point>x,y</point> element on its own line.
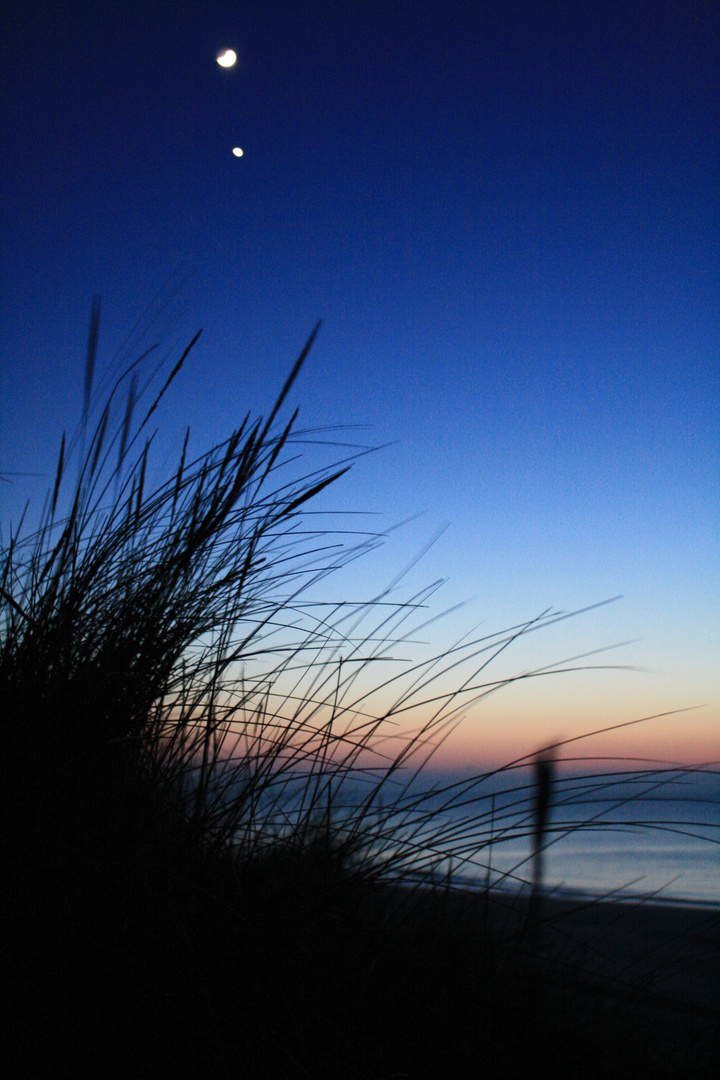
<point>587,896</point>
<point>520,893</point>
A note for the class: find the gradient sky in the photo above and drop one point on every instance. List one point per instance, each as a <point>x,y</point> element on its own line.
<point>506,215</point>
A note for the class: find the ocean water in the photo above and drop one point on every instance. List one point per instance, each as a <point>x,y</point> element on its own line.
<point>652,834</point>
<point>632,863</point>
<point>643,833</point>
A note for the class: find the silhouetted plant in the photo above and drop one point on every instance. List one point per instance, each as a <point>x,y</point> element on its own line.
<point>190,741</point>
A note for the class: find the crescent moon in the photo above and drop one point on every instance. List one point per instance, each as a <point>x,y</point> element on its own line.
<point>226,58</point>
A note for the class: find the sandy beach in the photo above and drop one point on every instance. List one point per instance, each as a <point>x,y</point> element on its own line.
<point>648,969</point>
<point>668,951</point>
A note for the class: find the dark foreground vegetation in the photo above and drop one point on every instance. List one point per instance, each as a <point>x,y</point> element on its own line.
<point>215,863</point>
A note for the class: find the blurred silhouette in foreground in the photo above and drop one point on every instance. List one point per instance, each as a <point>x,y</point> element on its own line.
<point>544,773</point>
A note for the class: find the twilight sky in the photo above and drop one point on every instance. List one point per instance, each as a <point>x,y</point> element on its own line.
<point>506,214</point>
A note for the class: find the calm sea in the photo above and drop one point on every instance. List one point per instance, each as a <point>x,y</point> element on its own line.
<point>628,834</point>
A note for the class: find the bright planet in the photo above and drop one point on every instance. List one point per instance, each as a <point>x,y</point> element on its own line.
<point>237,151</point>
<point>226,58</point>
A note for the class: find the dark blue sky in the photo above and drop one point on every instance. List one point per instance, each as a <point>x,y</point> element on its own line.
<point>507,216</point>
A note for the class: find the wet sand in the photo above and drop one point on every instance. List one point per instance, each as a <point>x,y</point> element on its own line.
<point>664,954</point>
<point>668,952</point>
<point>649,969</point>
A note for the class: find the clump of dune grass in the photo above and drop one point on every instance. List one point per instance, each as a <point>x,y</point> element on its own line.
<point>215,840</point>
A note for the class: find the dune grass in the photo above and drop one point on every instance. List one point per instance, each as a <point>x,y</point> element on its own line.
<point>219,860</point>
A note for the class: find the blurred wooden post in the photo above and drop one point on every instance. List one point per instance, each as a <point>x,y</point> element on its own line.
<point>544,776</point>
